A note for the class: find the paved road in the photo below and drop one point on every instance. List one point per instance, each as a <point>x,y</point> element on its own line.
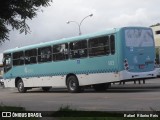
<point>117,98</point>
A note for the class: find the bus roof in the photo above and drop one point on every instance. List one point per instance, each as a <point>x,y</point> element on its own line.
<point>66,40</point>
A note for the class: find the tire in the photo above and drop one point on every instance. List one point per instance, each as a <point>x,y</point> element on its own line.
<point>20,87</point>
<point>73,84</point>
<point>100,87</point>
<point>46,89</point>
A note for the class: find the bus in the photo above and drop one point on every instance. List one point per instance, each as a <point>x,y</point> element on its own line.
<point>96,60</point>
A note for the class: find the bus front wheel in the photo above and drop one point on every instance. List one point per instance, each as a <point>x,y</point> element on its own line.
<point>73,84</point>
<point>20,87</point>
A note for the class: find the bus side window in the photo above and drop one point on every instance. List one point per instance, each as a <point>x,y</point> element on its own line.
<point>78,49</point>
<point>112,44</point>
<point>31,56</point>
<point>44,54</point>
<point>60,52</point>
<point>18,58</point>
<point>99,46</point>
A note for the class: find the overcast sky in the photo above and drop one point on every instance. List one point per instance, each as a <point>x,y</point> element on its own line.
<point>51,23</point>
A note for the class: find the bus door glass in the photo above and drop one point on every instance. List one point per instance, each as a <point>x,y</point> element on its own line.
<point>7,62</point>
<point>139,50</point>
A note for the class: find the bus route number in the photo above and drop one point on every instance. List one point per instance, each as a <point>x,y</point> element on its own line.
<point>110,63</point>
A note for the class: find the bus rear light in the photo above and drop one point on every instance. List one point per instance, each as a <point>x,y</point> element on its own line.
<point>126,66</point>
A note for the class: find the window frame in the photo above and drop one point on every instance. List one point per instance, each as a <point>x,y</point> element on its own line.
<point>114,43</point>
<point>39,56</point>
<point>31,56</point>
<point>79,50</point>
<point>65,52</point>
<point>18,59</point>
<point>97,39</point>
<point>107,46</point>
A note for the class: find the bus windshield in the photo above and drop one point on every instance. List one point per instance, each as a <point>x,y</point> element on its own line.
<point>7,62</point>
<point>139,38</point>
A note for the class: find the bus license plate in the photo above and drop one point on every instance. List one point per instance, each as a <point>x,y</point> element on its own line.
<point>141,66</point>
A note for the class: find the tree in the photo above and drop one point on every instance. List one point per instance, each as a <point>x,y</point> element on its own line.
<point>14,13</point>
<point>158,24</point>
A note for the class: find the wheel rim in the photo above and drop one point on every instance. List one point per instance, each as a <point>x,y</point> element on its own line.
<point>20,86</point>
<point>72,84</point>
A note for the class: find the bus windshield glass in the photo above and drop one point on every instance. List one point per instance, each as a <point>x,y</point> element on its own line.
<point>7,62</point>
<point>139,37</point>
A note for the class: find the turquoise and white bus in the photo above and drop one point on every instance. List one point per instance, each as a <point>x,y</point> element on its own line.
<point>119,54</point>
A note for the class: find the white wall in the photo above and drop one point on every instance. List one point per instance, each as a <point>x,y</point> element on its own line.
<point>156,36</point>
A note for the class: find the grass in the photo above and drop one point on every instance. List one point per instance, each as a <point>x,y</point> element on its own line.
<point>66,113</point>
<point>11,108</point>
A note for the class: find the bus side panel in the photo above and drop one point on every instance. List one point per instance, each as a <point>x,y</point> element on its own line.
<point>60,81</point>
<point>97,78</point>
<point>95,70</point>
<point>48,81</point>
<point>90,70</point>
<point>9,82</point>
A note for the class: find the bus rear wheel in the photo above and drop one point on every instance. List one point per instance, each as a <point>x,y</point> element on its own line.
<point>20,87</point>
<point>73,84</point>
